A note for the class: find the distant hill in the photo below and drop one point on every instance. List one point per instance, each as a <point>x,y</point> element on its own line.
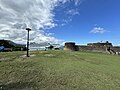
<point>14,46</point>
<point>9,44</point>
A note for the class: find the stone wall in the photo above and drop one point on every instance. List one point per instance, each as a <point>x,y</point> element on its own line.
<point>98,49</point>
<point>92,48</point>
<point>72,47</point>
<point>116,48</point>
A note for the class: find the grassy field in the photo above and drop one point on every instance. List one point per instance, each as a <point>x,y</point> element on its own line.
<point>59,70</point>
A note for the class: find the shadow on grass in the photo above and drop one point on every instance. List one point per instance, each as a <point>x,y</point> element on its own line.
<point>18,86</point>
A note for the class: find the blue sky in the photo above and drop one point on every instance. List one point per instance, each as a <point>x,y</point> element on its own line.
<point>58,21</point>
<point>100,14</point>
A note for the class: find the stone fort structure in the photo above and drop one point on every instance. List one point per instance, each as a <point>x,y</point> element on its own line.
<point>97,47</point>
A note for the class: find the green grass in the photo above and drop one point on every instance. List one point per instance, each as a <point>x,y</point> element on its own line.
<point>59,70</point>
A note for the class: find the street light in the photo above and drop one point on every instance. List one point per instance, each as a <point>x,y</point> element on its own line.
<point>28,29</point>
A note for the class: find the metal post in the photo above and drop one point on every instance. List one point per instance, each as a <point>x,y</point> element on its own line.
<point>28,29</point>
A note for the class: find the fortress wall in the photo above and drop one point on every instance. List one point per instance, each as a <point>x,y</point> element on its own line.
<point>85,48</point>
<point>92,48</point>
<point>116,48</point>
<point>70,46</point>
<point>100,48</point>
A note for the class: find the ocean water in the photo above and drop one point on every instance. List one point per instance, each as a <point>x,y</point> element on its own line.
<point>36,48</point>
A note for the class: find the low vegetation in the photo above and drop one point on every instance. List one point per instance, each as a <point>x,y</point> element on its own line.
<point>59,70</point>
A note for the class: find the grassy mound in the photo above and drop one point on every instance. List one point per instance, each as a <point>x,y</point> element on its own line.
<point>59,70</point>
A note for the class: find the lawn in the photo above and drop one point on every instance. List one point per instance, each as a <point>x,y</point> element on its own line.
<point>59,70</point>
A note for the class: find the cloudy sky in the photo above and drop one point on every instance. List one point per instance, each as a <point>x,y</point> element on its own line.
<point>57,21</point>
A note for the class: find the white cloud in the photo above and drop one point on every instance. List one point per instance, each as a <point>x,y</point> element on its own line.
<point>73,12</point>
<point>70,12</point>
<point>77,2</point>
<point>16,15</point>
<point>98,30</point>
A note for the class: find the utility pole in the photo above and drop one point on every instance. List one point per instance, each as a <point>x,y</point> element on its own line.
<point>28,29</point>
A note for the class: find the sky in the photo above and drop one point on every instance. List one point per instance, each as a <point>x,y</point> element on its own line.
<point>59,21</point>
